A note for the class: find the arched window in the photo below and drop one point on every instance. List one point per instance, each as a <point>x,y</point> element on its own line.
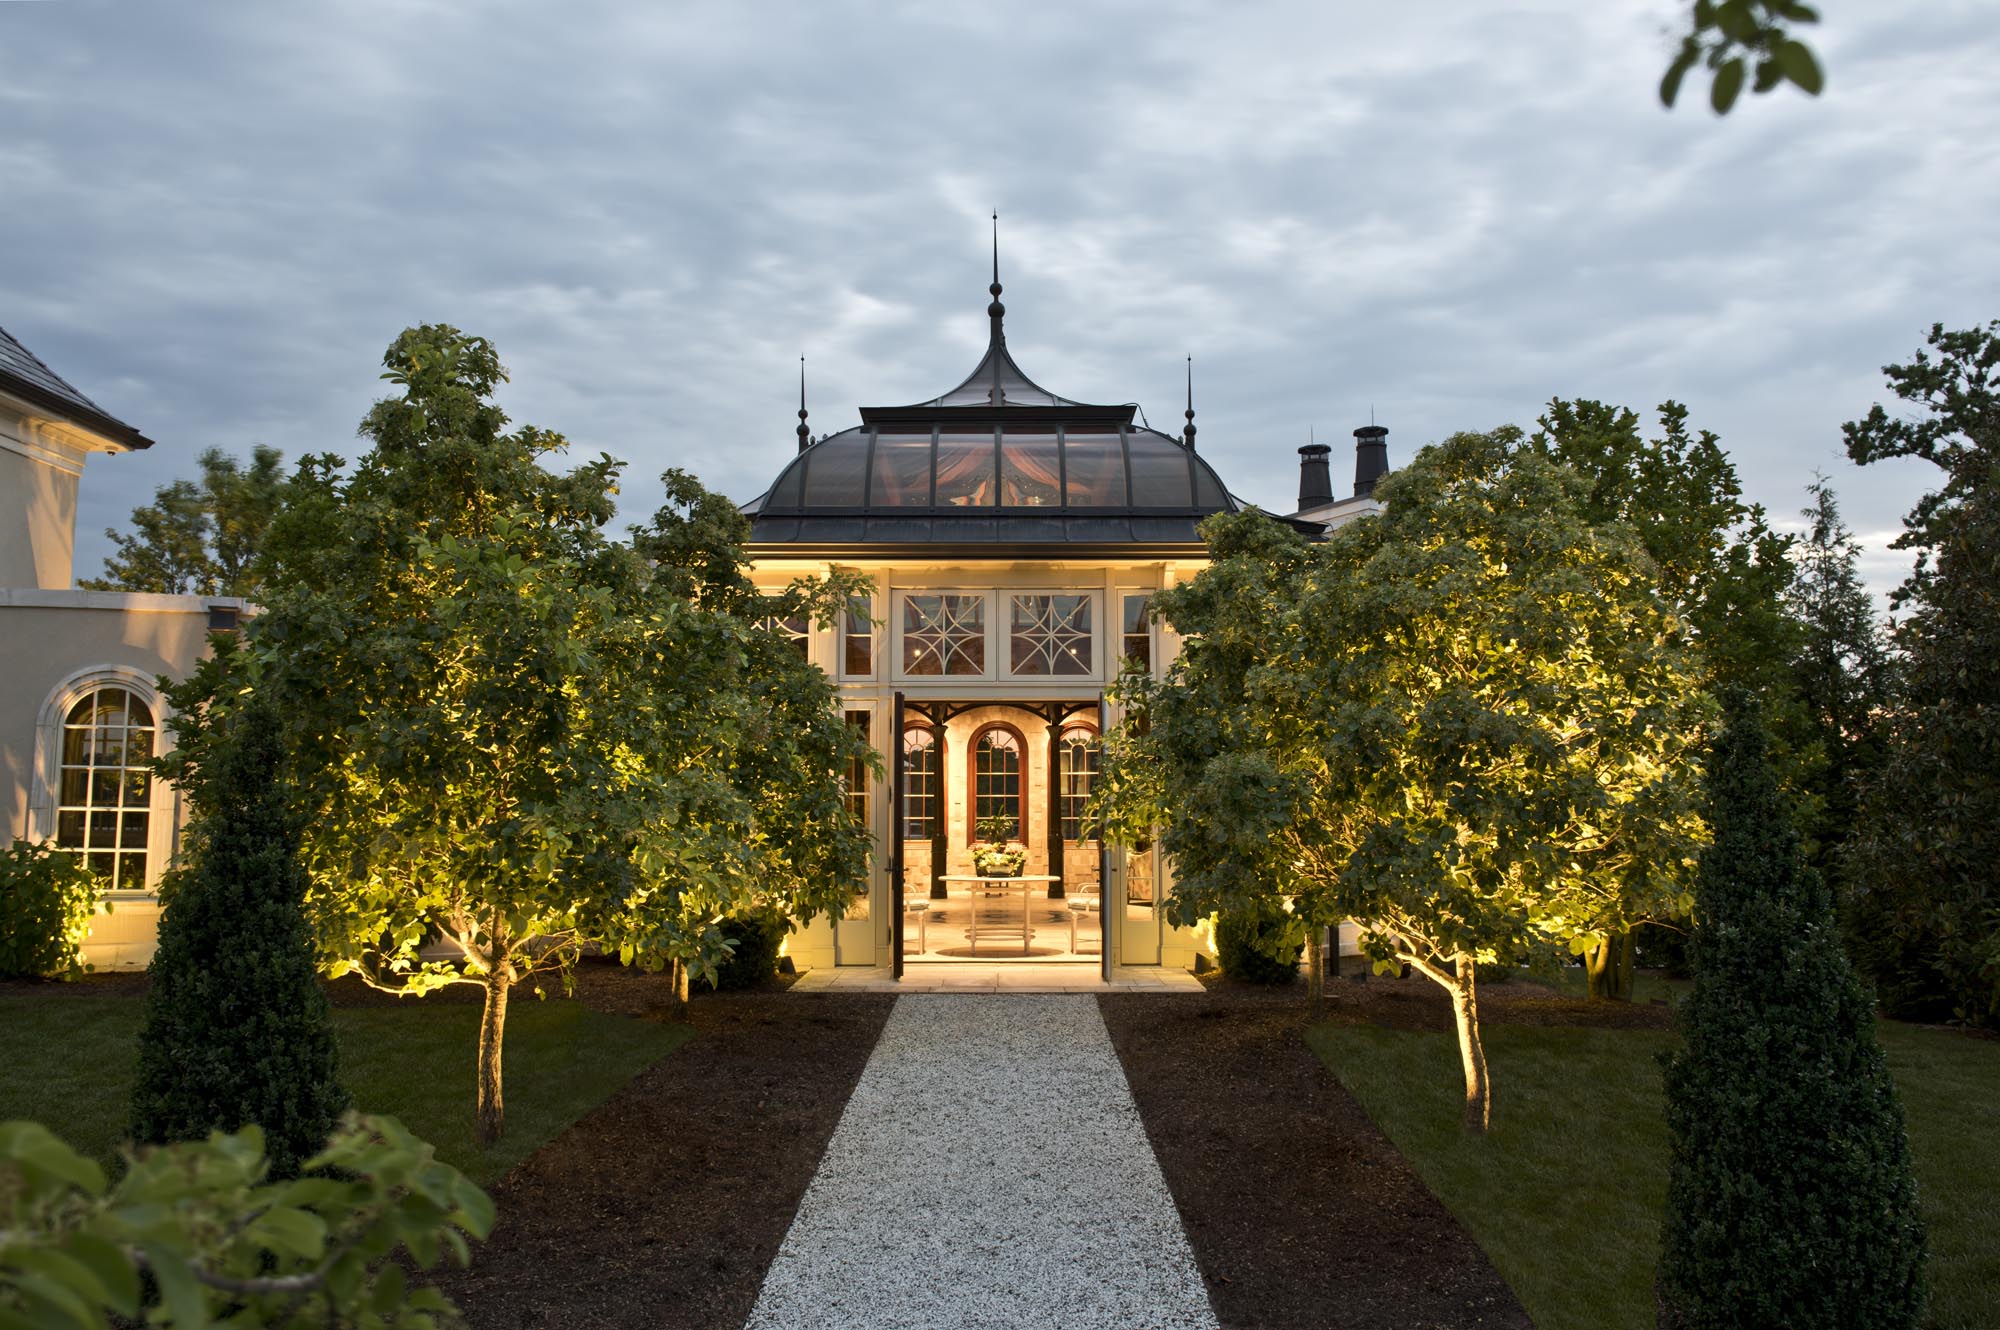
<point>103,788</point>
<point>920,783</point>
<point>998,781</point>
<point>1078,754</point>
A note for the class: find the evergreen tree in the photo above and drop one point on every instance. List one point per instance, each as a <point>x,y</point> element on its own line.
<point>1842,666</point>
<point>237,1029</point>
<point>1790,1200</point>
<point>1924,861</point>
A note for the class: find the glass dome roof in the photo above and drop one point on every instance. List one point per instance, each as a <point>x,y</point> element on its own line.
<point>997,461</point>
<point>1031,466</point>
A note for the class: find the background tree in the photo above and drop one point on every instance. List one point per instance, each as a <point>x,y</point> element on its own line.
<point>1842,667</point>
<point>1719,567</point>
<point>200,539</point>
<point>237,1030</point>
<point>1790,1200</point>
<point>1924,863</point>
<point>1463,723</point>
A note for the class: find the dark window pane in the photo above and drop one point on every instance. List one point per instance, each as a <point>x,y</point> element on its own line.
<point>1137,637</point>
<point>965,476</point>
<point>837,471</point>
<point>858,638</point>
<point>132,834</point>
<point>1029,474</point>
<point>1096,471</point>
<point>69,830</point>
<point>75,785</point>
<point>1079,773</point>
<point>138,712</point>
<point>902,471</point>
<point>1159,474</point>
<point>103,830</point>
<point>76,747</point>
<point>996,785</point>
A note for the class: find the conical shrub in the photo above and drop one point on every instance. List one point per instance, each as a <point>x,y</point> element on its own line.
<point>237,1028</point>
<point>1790,1200</point>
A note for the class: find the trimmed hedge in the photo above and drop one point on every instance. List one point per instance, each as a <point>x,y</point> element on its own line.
<point>757,935</point>
<point>1259,946</point>
<point>47,899</point>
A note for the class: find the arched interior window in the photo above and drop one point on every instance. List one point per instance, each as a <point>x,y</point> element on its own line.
<point>997,783</point>
<point>920,783</point>
<point>1078,754</point>
<point>104,790</point>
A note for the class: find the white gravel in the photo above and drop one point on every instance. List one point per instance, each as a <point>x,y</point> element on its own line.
<point>990,1171</point>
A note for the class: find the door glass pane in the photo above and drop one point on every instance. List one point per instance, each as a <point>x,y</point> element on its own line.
<point>858,791</point>
<point>920,772</point>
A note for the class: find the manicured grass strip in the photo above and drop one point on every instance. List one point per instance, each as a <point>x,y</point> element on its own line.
<point>1565,1193</point>
<point>69,1063</point>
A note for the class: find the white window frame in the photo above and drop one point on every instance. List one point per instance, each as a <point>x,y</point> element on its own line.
<point>999,619</point>
<point>163,800</point>
<point>877,633</point>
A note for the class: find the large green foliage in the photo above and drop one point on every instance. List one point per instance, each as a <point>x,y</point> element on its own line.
<point>1924,864</point>
<point>200,538</point>
<point>1745,39</point>
<point>512,735</point>
<point>1719,568</point>
<point>1790,1197</point>
<point>1465,723</point>
<point>237,1029</point>
<point>195,1235</point>
<point>47,900</point>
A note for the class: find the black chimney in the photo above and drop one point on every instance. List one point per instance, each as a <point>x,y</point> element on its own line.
<point>1371,458</point>
<point>1315,478</point>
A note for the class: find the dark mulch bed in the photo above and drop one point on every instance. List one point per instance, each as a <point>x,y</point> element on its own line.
<point>1300,1212</point>
<point>664,1207</point>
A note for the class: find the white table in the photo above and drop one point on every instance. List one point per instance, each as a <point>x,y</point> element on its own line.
<point>992,887</point>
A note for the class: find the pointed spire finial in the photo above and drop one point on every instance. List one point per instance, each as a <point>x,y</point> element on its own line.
<point>996,311</point>
<point>805,435</point>
<point>1187,434</point>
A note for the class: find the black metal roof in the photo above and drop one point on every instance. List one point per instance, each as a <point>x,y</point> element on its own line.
<point>994,465</point>
<point>23,374</point>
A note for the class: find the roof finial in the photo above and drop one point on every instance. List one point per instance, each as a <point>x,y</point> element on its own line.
<point>996,311</point>
<point>805,435</point>
<point>1187,434</point>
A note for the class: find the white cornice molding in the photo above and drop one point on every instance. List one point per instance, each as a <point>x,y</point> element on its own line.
<point>32,432</point>
<point>131,602</point>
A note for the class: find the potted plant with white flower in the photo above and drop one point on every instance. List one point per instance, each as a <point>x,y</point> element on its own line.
<point>996,853</point>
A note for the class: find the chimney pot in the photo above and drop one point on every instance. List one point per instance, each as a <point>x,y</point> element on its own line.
<point>1371,458</point>
<point>1315,477</point>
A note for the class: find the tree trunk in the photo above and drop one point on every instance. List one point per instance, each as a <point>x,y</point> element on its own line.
<point>1471,1053</point>
<point>492,1121</point>
<point>1608,966</point>
<point>1316,970</point>
<point>679,974</point>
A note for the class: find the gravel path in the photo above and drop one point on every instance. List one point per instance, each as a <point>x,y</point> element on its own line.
<point>990,1171</point>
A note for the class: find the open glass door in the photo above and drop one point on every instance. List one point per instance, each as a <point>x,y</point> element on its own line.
<point>1110,900</point>
<point>896,765</point>
<point>855,932</point>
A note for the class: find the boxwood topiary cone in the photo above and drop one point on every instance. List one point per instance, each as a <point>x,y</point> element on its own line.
<point>237,1028</point>
<point>1790,1200</point>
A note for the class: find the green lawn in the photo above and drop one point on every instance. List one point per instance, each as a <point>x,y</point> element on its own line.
<point>1565,1192</point>
<point>68,1062</point>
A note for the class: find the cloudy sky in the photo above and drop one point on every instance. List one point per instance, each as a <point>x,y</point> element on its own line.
<point>217,216</point>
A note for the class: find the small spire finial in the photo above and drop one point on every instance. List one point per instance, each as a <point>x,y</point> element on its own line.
<point>805,435</point>
<point>996,311</point>
<point>1187,434</point>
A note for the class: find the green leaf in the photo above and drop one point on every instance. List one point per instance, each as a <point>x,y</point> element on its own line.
<point>1728,83</point>
<point>1670,86</point>
<point>1797,62</point>
<point>112,1269</point>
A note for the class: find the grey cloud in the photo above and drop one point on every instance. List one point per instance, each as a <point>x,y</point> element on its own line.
<point>219,216</point>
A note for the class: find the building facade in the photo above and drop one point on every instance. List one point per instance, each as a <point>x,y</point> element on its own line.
<point>1012,539</point>
<point>80,708</point>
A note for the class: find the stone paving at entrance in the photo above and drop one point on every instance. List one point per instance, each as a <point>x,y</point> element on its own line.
<point>990,1171</point>
<point>996,977</point>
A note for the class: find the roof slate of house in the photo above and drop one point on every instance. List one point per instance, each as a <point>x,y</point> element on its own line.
<point>24,374</point>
